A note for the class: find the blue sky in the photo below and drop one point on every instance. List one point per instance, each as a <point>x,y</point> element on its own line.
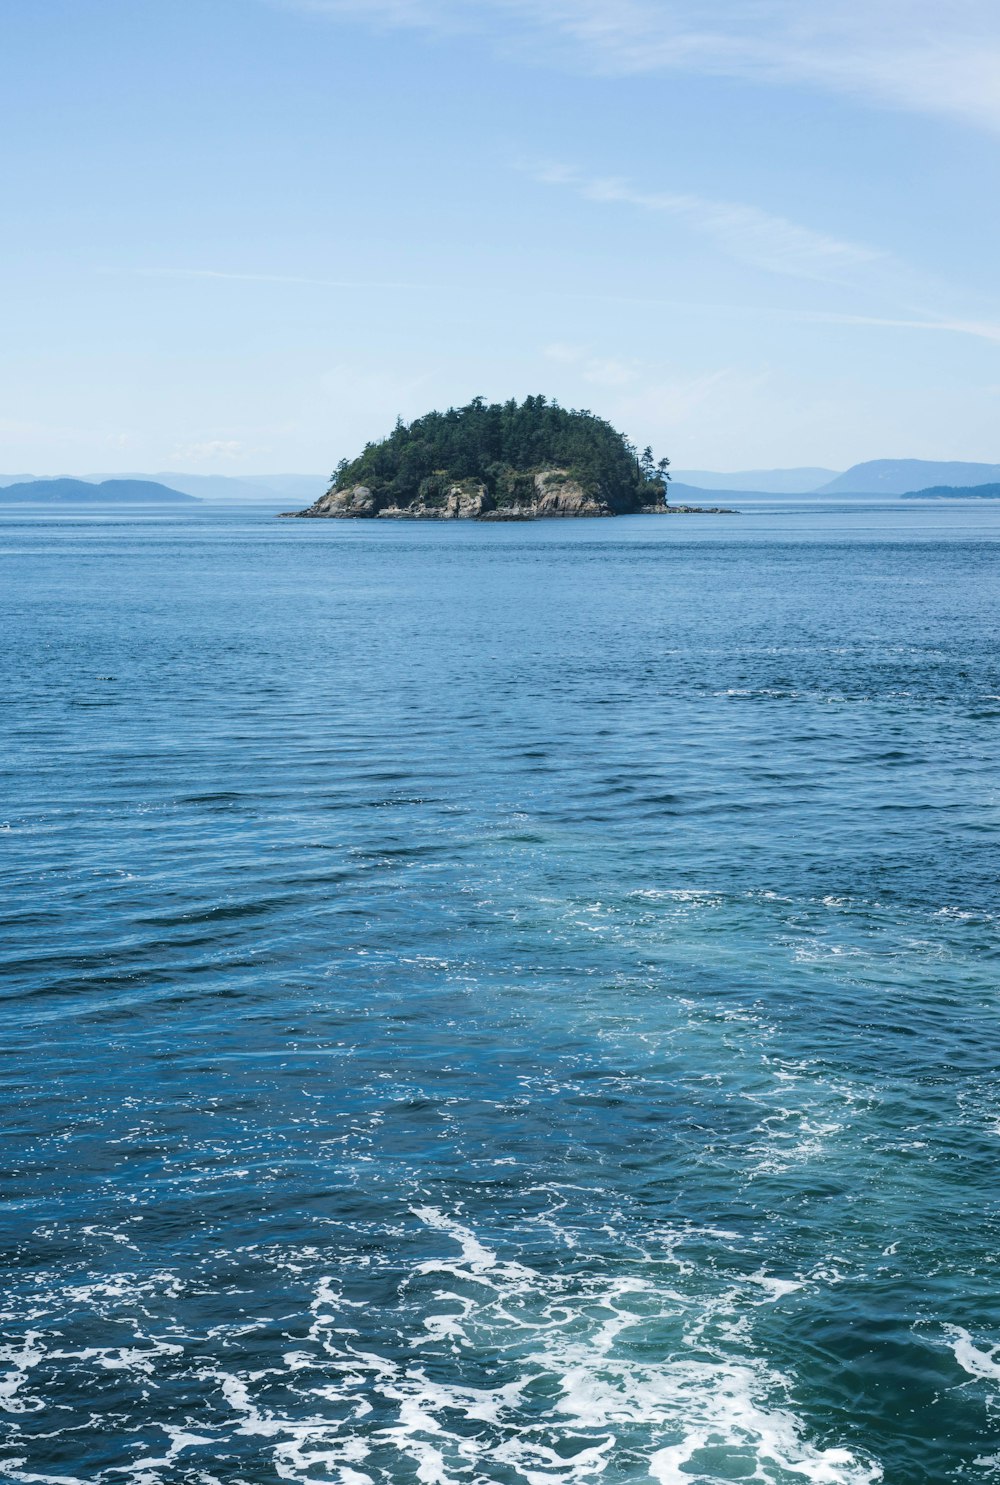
<point>243,235</point>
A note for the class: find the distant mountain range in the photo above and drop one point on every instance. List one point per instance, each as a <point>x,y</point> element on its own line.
<point>757,481</point>
<point>905,476</point>
<point>108,492</point>
<point>874,477</point>
<point>244,489</point>
<point>277,489</point>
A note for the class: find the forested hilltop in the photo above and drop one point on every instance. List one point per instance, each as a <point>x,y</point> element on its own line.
<point>498,461</point>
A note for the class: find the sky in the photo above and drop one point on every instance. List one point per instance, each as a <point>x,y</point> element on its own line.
<point>243,236</point>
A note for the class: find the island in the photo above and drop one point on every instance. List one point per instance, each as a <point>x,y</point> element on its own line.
<point>80,492</point>
<point>500,462</point>
<point>956,492</point>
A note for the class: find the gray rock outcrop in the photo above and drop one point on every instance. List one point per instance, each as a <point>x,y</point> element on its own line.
<point>550,492</point>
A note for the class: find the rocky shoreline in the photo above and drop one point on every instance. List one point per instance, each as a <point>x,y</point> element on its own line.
<point>690,510</point>
<point>554,493</point>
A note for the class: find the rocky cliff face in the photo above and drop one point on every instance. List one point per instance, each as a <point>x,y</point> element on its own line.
<point>465,501</point>
<point>551,492</point>
<point>558,495</point>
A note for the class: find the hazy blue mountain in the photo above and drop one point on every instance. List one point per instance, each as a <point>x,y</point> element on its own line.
<point>110,492</point>
<point>243,489</point>
<point>956,492</point>
<point>906,476</point>
<point>760,481</point>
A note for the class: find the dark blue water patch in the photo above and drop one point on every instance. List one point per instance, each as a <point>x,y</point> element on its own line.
<point>501,1004</point>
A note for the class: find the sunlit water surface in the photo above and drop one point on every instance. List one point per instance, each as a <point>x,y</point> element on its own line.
<point>501,1004</point>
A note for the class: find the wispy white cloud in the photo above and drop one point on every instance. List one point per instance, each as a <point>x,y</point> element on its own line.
<point>914,54</point>
<point>745,232</point>
<point>780,246</point>
<point>657,401</point>
<point>600,371</point>
<point>767,241</point>
<point>212,451</point>
<point>676,404</point>
<point>978,329</point>
<point>633,385</point>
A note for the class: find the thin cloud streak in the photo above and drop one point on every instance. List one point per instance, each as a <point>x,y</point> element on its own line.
<point>783,247</point>
<point>979,329</point>
<point>916,55</point>
<point>745,232</point>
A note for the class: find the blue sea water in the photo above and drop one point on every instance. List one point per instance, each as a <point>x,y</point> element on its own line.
<point>507,1004</point>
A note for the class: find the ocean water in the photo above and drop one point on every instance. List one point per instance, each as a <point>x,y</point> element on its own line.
<point>501,1004</point>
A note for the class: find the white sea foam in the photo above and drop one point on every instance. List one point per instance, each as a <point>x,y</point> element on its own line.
<point>475,1261</point>
<point>666,1371</point>
<point>572,1332</point>
<point>783,1147</point>
<point>179,1441</point>
<point>731,1420</point>
<point>978,1363</point>
<point>774,1288</point>
<point>11,1469</point>
<point>20,1360</point>
<point>478,1258</point>
<point>654,1361</point>
<point>141,1360</point>
<point>734,1413</point>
